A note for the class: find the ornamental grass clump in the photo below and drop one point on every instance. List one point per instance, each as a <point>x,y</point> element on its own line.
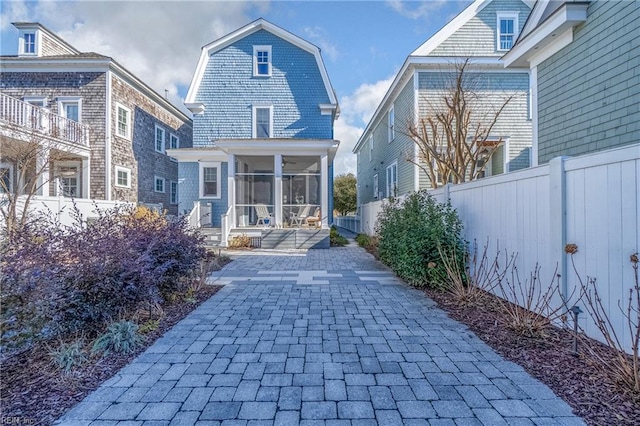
<point>412,232</point>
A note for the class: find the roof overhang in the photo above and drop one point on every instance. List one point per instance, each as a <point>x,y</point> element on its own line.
<point>547,38</point>
<point>249,29</point>
<point>279,146</point>
<point>193,155</point>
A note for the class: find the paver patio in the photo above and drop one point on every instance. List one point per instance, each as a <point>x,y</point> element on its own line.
<point>327,337</point>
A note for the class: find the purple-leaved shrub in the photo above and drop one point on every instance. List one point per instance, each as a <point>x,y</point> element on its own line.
<point>58,279</point>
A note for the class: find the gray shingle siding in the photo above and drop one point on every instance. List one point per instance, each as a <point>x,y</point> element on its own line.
<point>478,36</point>
<point>493,88</point>
<point>386,153</point>
<point>589,92</point>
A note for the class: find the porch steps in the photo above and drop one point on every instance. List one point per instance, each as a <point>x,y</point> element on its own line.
<point>212,236</point>
<point>286,239</point>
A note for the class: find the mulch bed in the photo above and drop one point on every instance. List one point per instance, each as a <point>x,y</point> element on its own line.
<point>34,392</point>
<point>583,385</point>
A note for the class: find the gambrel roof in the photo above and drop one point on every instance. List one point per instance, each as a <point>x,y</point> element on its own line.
<point>260,24</point>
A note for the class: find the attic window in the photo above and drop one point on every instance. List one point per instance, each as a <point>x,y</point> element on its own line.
<point>262,61</point>
<point>507,30</point>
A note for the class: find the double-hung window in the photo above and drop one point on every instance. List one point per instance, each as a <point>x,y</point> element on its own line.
<point>262,122</point>
<point>209,180</point>
<point>123,117</point>
<point>173,188</point>
<point>159,139</point>
<point>29,43</point>
<point>261,61</point>
<point>507,30</point>
<point>123,177</point>
<point>392,179</point>
<point>158,184</point>
<point>174,143</point>
<point>391,125</point>
<point>375,186</point>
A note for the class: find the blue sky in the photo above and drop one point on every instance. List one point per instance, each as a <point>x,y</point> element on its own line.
<point>364,43</point>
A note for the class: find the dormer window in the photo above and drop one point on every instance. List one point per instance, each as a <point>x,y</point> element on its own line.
<point>262,61</point>
<point>507,30</point>
<point>30,43</point>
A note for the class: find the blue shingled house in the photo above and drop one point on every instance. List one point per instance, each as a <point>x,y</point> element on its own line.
<point>263,147</point>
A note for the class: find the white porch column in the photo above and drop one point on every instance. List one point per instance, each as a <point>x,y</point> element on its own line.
<point>324,191</point>
<point>42,168</point>
<point>231,188</point>
<point>86,177</point>
<point>278,189</point>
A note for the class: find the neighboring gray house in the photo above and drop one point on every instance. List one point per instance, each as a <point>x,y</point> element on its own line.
<point>483,32</point>
<point>262,157</point>
<point>585,60</point>
<point>109,130</point>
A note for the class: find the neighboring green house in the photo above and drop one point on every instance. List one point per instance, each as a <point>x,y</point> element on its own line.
<point>585,61</point>
<point>483,32</point>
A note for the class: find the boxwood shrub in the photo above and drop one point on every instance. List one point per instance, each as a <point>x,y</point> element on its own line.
<point>412,231</point>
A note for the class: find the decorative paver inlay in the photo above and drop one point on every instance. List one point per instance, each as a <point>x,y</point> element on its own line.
<point>323,337</point>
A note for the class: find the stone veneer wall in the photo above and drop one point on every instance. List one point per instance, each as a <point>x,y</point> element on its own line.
<point>139,154</point>
<point>90,87</point>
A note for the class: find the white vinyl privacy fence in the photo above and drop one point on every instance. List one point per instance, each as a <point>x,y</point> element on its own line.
<point>592,201</point>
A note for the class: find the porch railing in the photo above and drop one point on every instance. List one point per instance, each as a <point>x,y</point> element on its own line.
<point>226,227</point>
<point>43,121</point>
<point>194,216</point>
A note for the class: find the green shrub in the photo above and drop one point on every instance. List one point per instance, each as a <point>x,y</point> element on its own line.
<point>67,356</point>
<point>363,240</point>
<point>120,337</point>
<point>412,232</point>
<point>335,239</point>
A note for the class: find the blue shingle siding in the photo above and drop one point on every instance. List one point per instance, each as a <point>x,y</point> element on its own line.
<point>493,89</point>
<point>478,36</point>
<point>589,92</point>
<point>189,191</point>
<point>229,89</point>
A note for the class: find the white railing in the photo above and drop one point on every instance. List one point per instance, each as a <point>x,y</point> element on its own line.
<point>194,216</point>
<point>226,227</point>
<point>41,120</point>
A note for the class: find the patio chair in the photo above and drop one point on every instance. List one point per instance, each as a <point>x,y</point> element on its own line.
<point>298,218</point>
<point>314,220</point>
<point>264,217</point>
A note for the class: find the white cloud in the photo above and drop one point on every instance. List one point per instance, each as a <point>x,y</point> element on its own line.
<point>158,41</point>
<point>356,110</point>
<point>416,9</point>
<point>318,35</point>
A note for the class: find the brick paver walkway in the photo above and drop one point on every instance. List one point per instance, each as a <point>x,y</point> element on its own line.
<point>328,337</point>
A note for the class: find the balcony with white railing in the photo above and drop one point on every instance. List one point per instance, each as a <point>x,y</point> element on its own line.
<point>30,120</point>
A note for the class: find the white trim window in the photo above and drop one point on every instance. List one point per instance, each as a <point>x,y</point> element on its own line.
<point>262,61</point>
<point>391,124</point>
<point>375,186</point>
<point>174,143</point>
<point>158,139</point>
<point>37,101</point>
<point>158,185</point>
<point>210,180</point>
<point>28,43</point>
<point>123,121</point>
<point>507,30</point>
<point>67,174</point>
<point>392,179</point>
<point>6,178</point>
<point>371,148</point>
<point>123,177</point>
<point>70,107</point>
<point>173,192</point>
<point>262,121</point>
